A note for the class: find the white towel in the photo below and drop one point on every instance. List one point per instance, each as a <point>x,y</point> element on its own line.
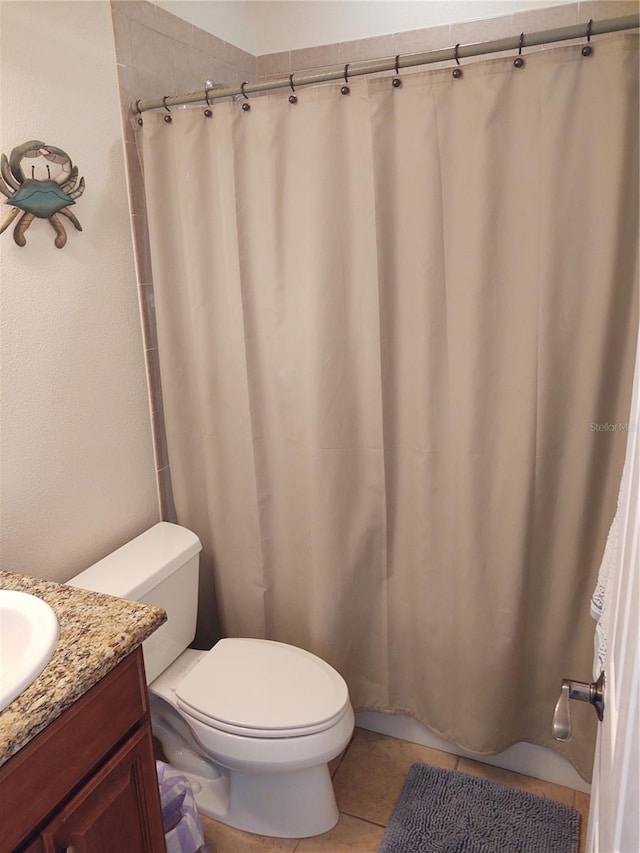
<point>600,598</point>
<point>611,561</point>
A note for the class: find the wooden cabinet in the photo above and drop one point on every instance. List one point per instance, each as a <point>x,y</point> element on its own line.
<point>106,815</point>
<point>87,783</point>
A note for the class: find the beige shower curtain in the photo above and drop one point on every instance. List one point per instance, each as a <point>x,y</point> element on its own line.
<point>391,325</point>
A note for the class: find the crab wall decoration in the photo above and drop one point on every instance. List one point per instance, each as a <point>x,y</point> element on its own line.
<point>51,188</point>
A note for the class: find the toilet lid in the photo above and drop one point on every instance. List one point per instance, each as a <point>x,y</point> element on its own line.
<point>261,688</point>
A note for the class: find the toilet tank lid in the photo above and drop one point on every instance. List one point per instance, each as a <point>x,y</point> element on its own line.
<point>139,565</point>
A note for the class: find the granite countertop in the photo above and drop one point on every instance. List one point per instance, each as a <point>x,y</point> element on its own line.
<point>96,632</point>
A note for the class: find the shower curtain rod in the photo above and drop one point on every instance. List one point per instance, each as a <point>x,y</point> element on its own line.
<point>375,66</point>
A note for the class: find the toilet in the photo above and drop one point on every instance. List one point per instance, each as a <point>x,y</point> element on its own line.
<point>252,723</point>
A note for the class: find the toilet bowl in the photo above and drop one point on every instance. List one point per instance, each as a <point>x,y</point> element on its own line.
<point>252,723</point>
<point>265,767</point>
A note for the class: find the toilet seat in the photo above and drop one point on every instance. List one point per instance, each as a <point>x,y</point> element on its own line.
<point>263,689</point>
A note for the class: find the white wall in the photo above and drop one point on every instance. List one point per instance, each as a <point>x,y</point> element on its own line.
<point>76,458</point>
<point>285,25</point>
<point>271,26</point>
<point>231,20</point>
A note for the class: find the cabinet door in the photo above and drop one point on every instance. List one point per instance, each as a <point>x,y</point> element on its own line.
<point>117,810</point>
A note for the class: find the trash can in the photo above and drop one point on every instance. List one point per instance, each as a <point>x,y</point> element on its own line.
<point>182,826</point>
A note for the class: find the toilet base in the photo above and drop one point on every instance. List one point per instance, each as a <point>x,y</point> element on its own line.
<point>294,804</point>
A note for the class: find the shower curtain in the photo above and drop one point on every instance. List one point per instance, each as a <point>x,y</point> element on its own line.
<point>395,328</point>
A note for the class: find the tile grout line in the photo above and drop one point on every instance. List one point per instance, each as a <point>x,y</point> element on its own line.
<point>364,819</point>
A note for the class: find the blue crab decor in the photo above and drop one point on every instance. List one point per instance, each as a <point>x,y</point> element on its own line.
<point>49,190</point>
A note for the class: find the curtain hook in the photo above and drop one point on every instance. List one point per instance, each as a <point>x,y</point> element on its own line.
<point>167,118</point>
<point>207,112</point>
<point>457,72</point>
<point>139,111</point>
<point>293,98</point>
<point>587,50</point>
<point>246,106</point>
<point>345,89</point>
<point>519,61</point>
<point>397,82</point>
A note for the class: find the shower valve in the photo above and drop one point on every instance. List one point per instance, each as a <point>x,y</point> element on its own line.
<point>585,692</point>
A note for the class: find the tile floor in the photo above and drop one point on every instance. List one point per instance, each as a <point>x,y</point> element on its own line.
<point>367,778</point>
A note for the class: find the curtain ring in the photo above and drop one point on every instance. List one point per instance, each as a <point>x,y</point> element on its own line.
<point>207,112</point>
<point>167,118</point>
<point>246,106</point>
<point>345,89</point>
<point>293,98</point>
<point>519,61</point>
<point>457,72</point>
<point>587,50</point>
<point>139,111</point>
<point>397,82</point>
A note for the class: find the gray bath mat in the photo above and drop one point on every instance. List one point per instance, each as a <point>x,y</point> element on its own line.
<point>446,811</point>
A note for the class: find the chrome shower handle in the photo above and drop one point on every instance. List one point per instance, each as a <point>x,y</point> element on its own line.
<point>585,692</point>
<point>562,714</point>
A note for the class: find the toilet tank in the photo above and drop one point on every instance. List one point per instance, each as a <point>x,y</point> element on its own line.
<point>158,567</point>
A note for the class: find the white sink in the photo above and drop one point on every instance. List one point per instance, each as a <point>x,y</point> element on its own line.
<point>28,635</point>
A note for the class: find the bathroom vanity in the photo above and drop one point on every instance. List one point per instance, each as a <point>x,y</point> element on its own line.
<point>77,768</point>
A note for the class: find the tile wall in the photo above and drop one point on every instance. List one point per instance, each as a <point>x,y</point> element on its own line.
<point>157,54</point>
